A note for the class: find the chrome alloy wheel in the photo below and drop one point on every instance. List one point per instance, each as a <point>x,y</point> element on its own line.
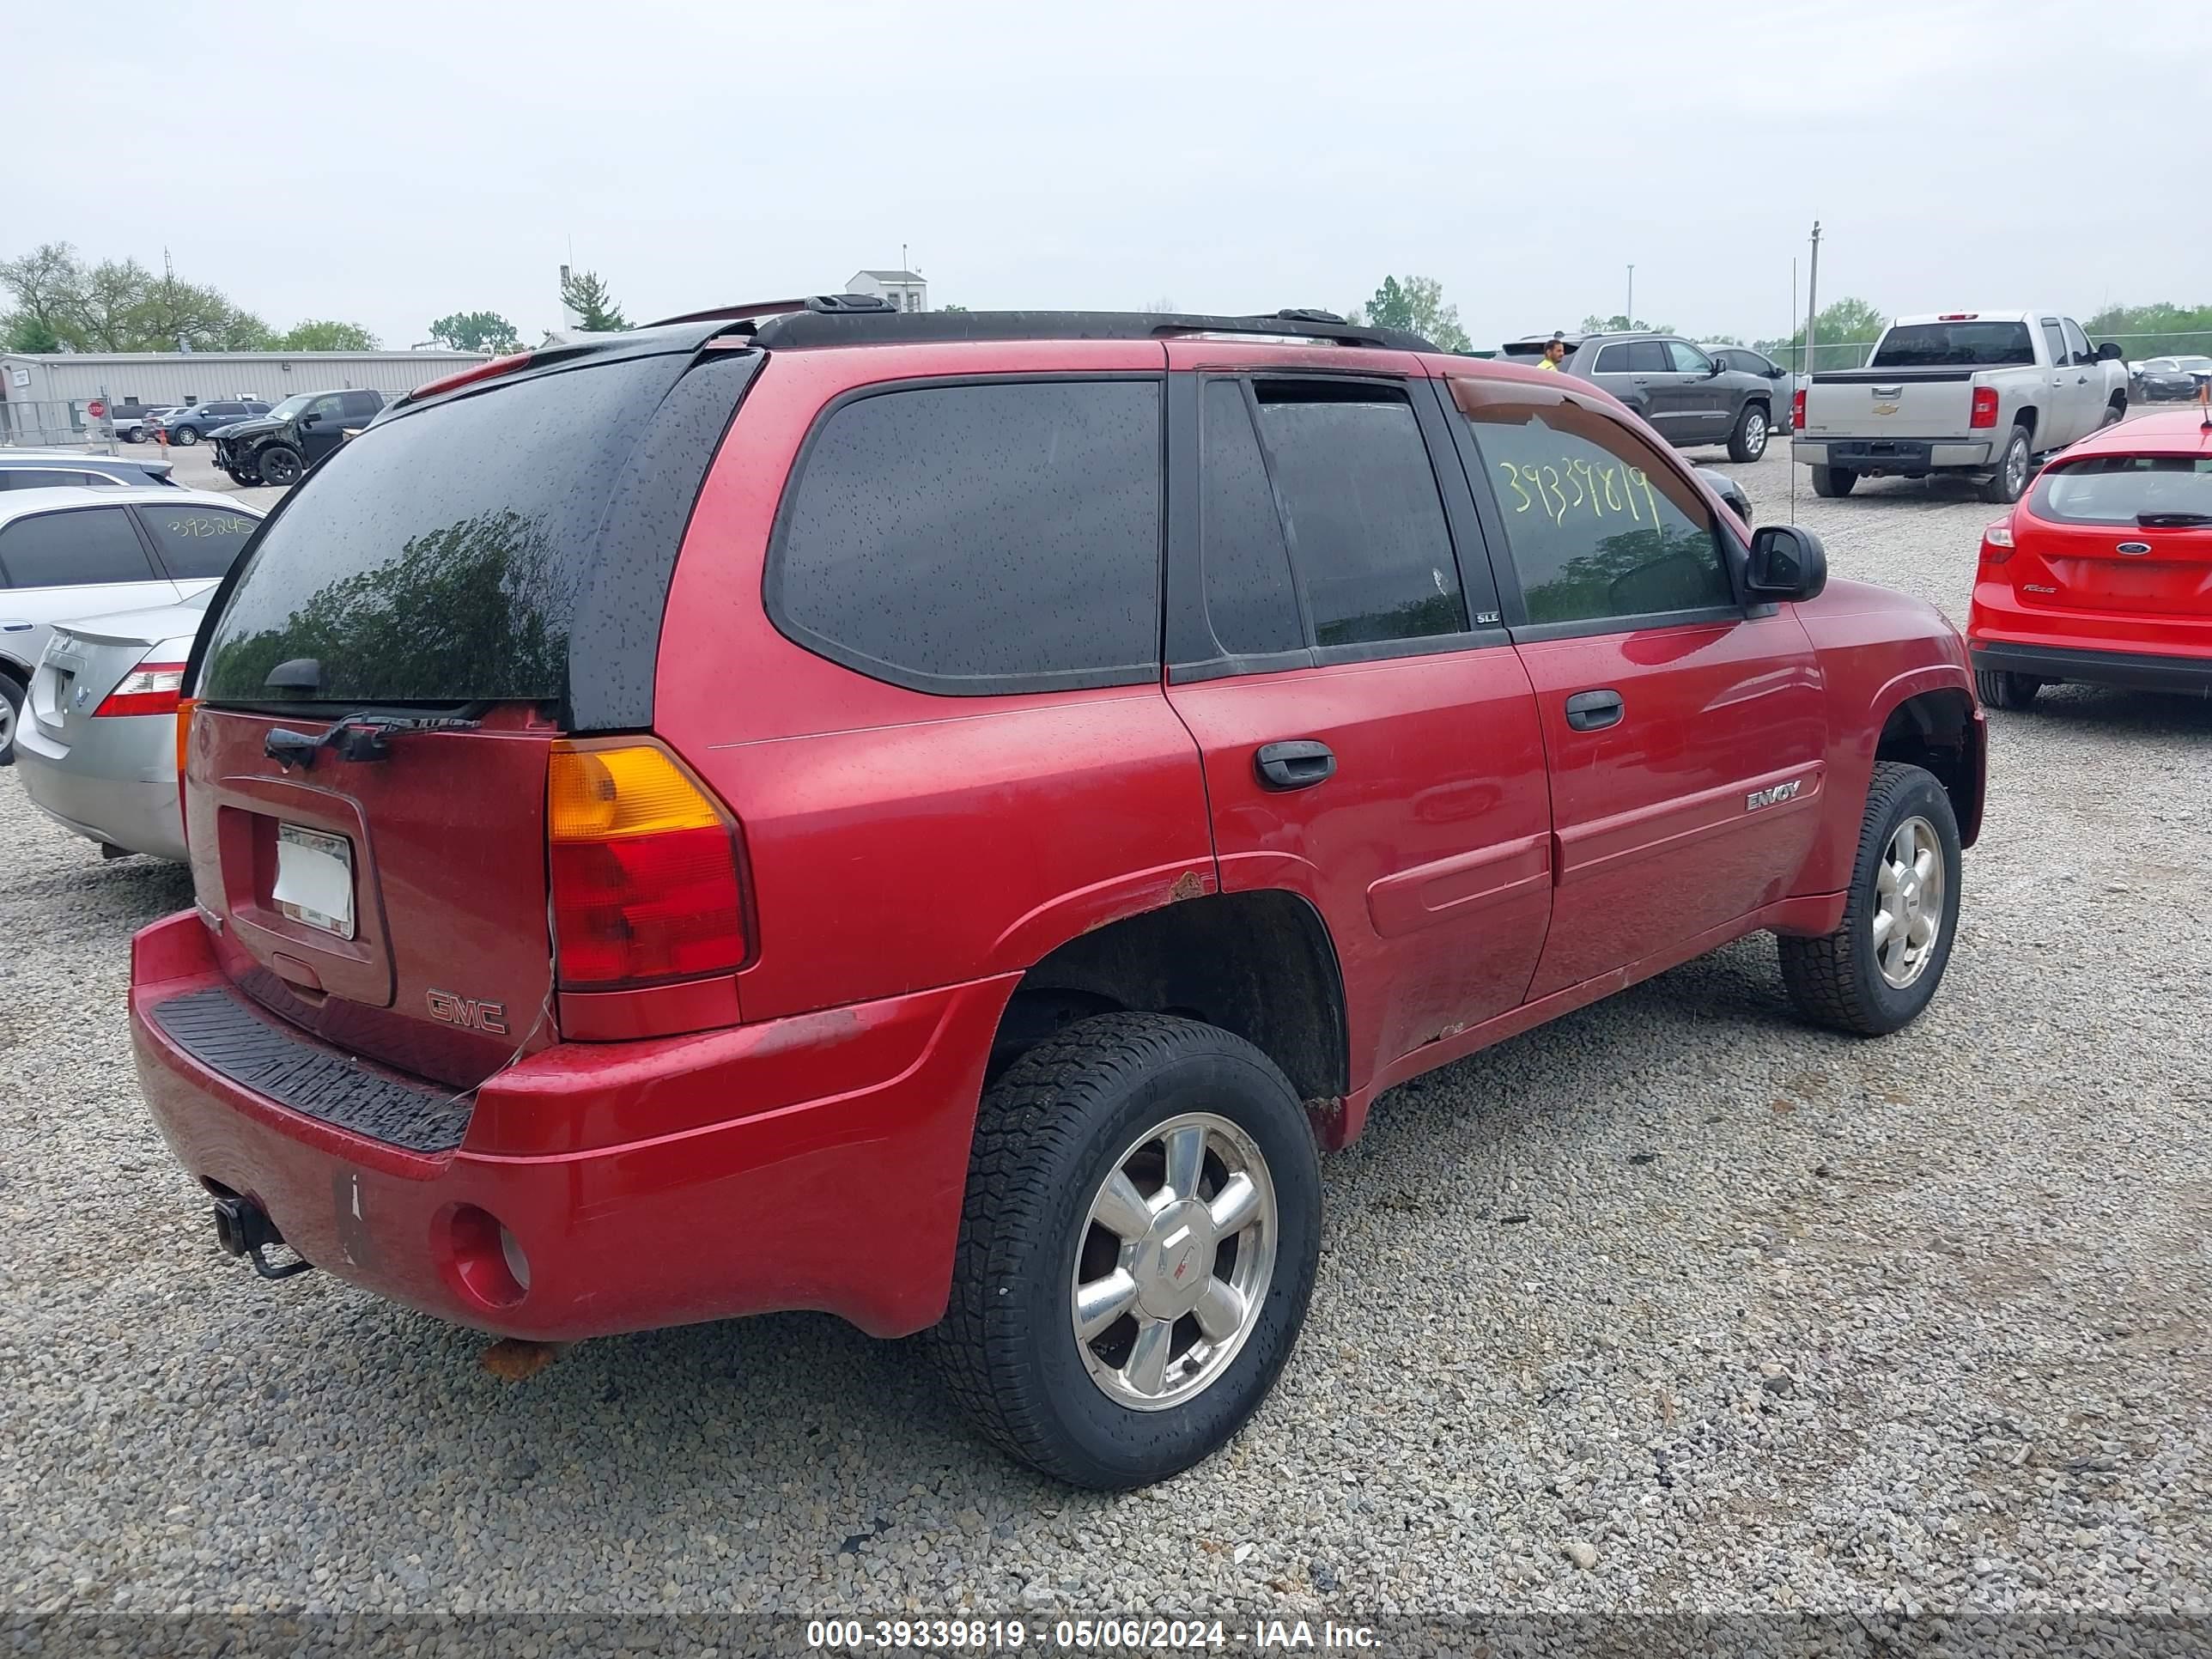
<point>1908,916</point>
<point>1175,1260</point>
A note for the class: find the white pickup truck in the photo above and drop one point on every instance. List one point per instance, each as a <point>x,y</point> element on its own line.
<point>1973,392</point>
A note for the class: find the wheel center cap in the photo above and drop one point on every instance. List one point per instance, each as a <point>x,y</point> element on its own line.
<point>1175,1259</point>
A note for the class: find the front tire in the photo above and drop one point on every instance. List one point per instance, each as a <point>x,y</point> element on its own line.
<point>2001,689</point>
<point>1139,1242</point>
<point>1880,966</point>
<point>187,435</point>
<point>1748,441</point>
<point>2010,478</point>
<point>1834,481</point>
<point>2115,413</point>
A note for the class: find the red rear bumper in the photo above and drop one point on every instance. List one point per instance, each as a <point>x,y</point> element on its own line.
<point>811,1162</point>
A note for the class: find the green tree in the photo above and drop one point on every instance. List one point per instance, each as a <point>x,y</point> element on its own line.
<point>477,331</point>
<point>2163,329</point>
<point>21,331</point>
<point>1417,305</point>
<point>583,293</point>
<point>1844,332</point>
<point>1620,323</point>
<point>63,303</point>
<point>45,284</point>
<point>952,307</point>
<point>318,335</point>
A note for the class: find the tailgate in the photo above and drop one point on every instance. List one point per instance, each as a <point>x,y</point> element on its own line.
<point>1868,403</point>
<point>395,906</point>
<point>2094,539</point>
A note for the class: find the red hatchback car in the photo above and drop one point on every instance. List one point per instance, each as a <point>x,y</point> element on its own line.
<point>937,818</point>
<point>2102,575</point>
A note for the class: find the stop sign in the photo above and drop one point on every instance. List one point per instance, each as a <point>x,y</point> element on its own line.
<point>95,408</point>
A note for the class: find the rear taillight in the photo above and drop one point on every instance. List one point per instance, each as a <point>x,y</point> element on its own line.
<point>644,869</point>
<point>151,688</point>
<point>1797,407</point>
<point>1985,406</point>
<point>1996,542</point>
<point>184,706</point>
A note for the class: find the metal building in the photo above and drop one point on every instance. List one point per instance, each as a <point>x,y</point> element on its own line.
<point>43,397</point>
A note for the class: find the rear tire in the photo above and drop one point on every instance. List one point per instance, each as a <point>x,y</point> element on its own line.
<point>2001,689</point>
<point>2010,478</point>
<point>1849,980</point>
<point>1089,1113</point>
<point>1834,481</point>
<point>1748,441</point>
<point>280,464</point>
<point>11,711</point>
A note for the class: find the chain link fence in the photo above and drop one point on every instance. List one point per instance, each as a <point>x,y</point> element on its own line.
<point>1852,354</point>
<point>28,423</point>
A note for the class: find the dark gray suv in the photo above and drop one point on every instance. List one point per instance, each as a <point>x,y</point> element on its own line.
<point>1688,397</point>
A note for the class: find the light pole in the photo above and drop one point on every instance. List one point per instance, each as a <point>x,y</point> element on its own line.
<point>1631,294</point>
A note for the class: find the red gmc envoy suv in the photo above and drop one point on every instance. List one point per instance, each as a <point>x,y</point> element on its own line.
<point>940,818</point>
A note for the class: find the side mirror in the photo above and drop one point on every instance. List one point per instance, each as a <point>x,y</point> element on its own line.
<point>1713,367</point>
<point>2110,352</point>
<point>310,420</point>
<point>1787,563</point>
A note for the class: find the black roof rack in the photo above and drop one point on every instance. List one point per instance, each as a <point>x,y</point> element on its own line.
<point>863,320</point>
<point>820,328</point>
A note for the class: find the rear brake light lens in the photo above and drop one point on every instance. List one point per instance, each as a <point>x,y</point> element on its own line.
<point>1797,407</point>
<point>151,688</point>
<point>1985,406</point>
<point>471,374</point>
<point>646,883</point>
<point>1996,542</point>
<point>1958,316</point>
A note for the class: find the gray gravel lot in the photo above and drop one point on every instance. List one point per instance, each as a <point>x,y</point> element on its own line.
<point>1673,1304</point>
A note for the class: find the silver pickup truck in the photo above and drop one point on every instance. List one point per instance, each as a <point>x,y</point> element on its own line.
<point>1973,392</point>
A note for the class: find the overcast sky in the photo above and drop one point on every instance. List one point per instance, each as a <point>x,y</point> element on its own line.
<point>389,162</point>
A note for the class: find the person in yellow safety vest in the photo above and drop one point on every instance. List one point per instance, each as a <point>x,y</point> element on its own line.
<point>1555,353</point>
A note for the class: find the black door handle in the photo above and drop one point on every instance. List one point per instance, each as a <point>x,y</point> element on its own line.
<point>1298,763</point>
<point>1593,711</point>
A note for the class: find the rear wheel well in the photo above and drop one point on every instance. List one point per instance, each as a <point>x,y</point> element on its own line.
<point>1936,731</point>
<point>1259,965</point>
<point>2027,418</point>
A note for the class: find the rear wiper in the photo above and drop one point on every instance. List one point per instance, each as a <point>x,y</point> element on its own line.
<point>2173,520</point>
<point>357,737</point>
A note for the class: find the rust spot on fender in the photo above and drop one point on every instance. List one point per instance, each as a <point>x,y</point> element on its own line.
<point>1188,885</point>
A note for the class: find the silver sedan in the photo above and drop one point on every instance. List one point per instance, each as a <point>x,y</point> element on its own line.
<point>97,745</point>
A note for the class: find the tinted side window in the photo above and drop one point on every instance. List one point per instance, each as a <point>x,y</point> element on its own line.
<point>197,542</point>
<point>1612,359</point>
<point>1248,598</point>
<point>1596,523</point>
<point>328,404</point>
<point>68,550</point>
<point>359,404</point>
<point>1366,523</point>
<point>1648,357</point>
<point>979,538</point>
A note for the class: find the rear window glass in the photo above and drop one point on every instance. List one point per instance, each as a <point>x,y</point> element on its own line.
<point>440,556</point>
<point>2126,489</point>
<point>1951,345</point>
<point>197,542</point>
<point>981,537</point>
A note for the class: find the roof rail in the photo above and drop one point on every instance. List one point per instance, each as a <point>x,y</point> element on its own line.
<point>833,324</point>
<point>828,304</point>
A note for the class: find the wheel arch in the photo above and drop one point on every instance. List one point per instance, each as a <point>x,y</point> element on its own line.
<point>1940,729</point>
<point>1260,964</point>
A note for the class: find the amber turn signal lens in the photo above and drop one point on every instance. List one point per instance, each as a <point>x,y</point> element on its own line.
<point>605,794</point>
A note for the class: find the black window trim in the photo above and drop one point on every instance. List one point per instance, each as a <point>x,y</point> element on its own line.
<point>1734,552</point>
<point>959,685</point>
<point>155,570</point>
<point>1193,655</point>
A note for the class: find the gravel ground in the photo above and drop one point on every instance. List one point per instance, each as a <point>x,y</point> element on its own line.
<point>1673,1304</point>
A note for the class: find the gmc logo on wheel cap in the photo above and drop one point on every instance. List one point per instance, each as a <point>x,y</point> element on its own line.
<point>467,1012</point>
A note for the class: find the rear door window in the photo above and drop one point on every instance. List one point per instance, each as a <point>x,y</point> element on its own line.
<point>1367,530</point>
<point>197,542</point>
<point>1249,599</point>
<point>1600,528</point>
<point>980,538</point>
<point>90,546</point>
